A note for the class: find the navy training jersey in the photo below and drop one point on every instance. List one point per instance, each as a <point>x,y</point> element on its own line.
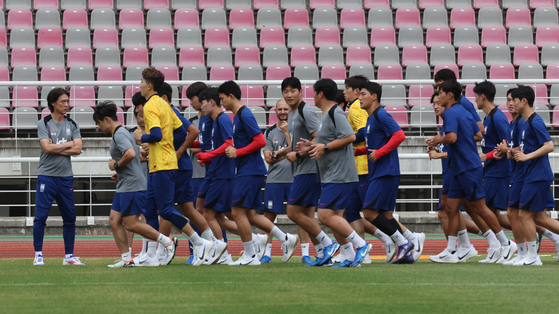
<point>205,137</point>
<point>533,135</point>
<point>245,128</point>
<point>496,127</point>
<point>222,167</point>
<point>462,154</point>
<point>470,108</point>
<point>184,162</point>
<point>517,168</point>
<point>444,161</point>
<point>380,128</point>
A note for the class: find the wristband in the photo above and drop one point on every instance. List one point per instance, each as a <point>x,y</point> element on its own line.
<point>116,165</point>
<point>298,155</point>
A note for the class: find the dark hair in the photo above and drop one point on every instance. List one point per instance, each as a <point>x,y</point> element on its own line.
<point>104,109</point>
<point>340,99</point>
<point>138,99</point>
<point>292,82</point>
<point>435,94</point>
<point>445,75</point>
<point>53,96</point>
<point>486,88</point>
<point>452,86</point>
<point>166,90</point>
<point>210,94</point>
<point>355,81</point>
<point>230,88</point>
<point>195,89</point>
<point>328,87</point>
<point>373,88</point>
<point>524,92</point>
<point>154,77</point>
<point>510,91</point>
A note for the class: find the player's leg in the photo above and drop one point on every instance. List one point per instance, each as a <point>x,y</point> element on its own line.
<point>443,218</point>
<point>273,205</point>
<point>513,214</point>
<point>496,195</point>
<point>46,192</point>
<point>130,240</point>
<point>120,236</point>
<point>66,204</point>
<point>267,258</point>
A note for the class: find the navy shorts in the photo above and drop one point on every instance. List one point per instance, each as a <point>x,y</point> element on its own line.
<point>274,195</point>
<point>129,203</point>
<point>195,184</point>
<point>382,193</point>
<point>219,195</point>
<point>514,194</point>
<point>336,195</point>
<point>357,196</point>
<point>467,185</point>
<point>536,196</point>
<point>496,192</point>
<point>305,190</point>
<point>204,186</point>
<point>446,182</point>
<point>247,192</point>
<point>183,188</point>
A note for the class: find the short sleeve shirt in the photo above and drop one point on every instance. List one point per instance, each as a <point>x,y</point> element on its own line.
<point>517,167</point>
<point>462,154</point>
<point>222,167</point>
<point>198,172</point>
<point>245,128</point>
<point>130,176</point>
<point>145,167</point>
<point>358,119</point>
<point>184,162</point>
<point>532,137</point>
<point>496,127</point>
<point>55,165</point>
<point>470,108</point>
<point>444,161</point>
<point>205,137</point>
<point>380,128</point>
<point>302,127</point>
<point>278,172</point>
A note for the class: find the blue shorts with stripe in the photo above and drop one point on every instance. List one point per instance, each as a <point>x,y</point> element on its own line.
<point>467,185</point>
<point>274,195</point>
<point>129,203</point>
<point>356,199</point>
<point>336,195</point>
<point>247,192</point>
<point>204,186</point>
<point>496,192</point>
<point>195,184</point>
<point>514,194</point>
<point>183,187</point>
<point>219,195</point>
<point>305,190</point>
<point>536,196</point>
<point>382,193</point>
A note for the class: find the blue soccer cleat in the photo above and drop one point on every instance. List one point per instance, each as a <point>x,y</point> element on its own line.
<point>306,259</point>
<point>346,263</point>
<point>329,252</point>
<point>329,263</point>
<point>190,260</point>
<point>316,262</point>
<point>402,251</point>
<point>539,241</point>
<point>360,254</point>
<point>266,259</point>
<point>408,259</point>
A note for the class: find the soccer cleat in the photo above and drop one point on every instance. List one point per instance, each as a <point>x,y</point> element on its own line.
<point>328,263</point>
<point>246,260</point>
<point>225,259</point>
<point>162,259</point>
<point>346,263</point>
<point>360,254</point>
<point>539,241</point>
<point>529,261</point>
<point>390,249</point>
<point>289,246</point>
<point>171,249</point>
<point>260,245</point>
<point>306,259</point>
<point>557,249</point>
<point>72,260</point>
<point>190,259</point>
<point>445,257</point>
<point>201,252</point>
<point>339,258</point>
<point>465,254</point>
<point>38,261</point>
<point>492,255</point>
<point>507,252</point>
<point>367,260</point>
<point>329,252</point>
<point>408,259</point>
<point>418,245</point>
<point>402,252</point>
<point>266,259</point>
<point>514,260</point>
<point>146,260</point>
<point>122,263</point>
<point>316,262</point>
<point>215,254</point>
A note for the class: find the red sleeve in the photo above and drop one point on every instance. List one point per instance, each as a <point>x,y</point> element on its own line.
<point>396,139</point>
<point>216,152</point>
<point>361,151</point>
<point>195,144</point>
<point>258,141</point>
<point>490,155</point>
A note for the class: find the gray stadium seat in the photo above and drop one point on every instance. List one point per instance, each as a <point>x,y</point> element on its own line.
<point>183,4</point>
<point>113,93</point>
<point>4,97</point>
<point>81,73</point>
<point>77,36</point>
<point>418,72</point>
<point>73,4</point>
<point>102,18</point>
<point>507,4</point>
<point>519,35</point>
<point>107,56</point>
<point>330,55</point>
<point>550,54</point>
<point>24,73</point>
<point>45,90</point>
<point>275,55</point>
<point>213,18</point>
<point>3,57</point>
<point>435,16</point>
<point>497,54</point>
<point>238,4</point>
<point>543,112</point>
<point>47,18</point>
<point>474,71</point>
<point>194,72</point>
<point>128,4</point>
<point>423,117</point>
<point>22,36</point>
<point>175,96</point>
<point>159,18</point>
<point>25,118</point>
<point>299,36</point>
<point>396,4</point>
<point>441,54</point>
<point>187,36</point>
<point>530,71</point>
<point>83,117</point>
<point>268,17</point>
<point>380,17</point>
<point>546,17</point>
<point>250,72</point>
<point>451,4</point>
<point>286,4</point>
<point>367,70</point>
<point>3,19</point>
<point>466,35</point>
<point>386,54</point>
<point>18,4</point>
<point>306,72</point>
<point>260,115</point>
<point>394,95</point>
<point>129,118</point>
<point>324,17</point>
<point>132,36</point>
<point>163,56</point>
<point>342,4</point>
<point>489,16</point>
<point>554,95</point>
<point>410,35</point>
<point>51,56</point>
<point>219,55</point>
<point>355,36</point>
<point>134,73</point>
<point>244,36</point>
<point>273,94</point>
<point>501,94</point>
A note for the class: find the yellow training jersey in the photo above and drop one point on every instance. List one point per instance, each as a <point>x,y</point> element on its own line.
<point>157,113</point>
<point>358,119</point>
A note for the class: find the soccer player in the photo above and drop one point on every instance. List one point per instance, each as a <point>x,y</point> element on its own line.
<point>130,190</point>
<point>340,100</point>
<point>60,138</point>
<point>337,173</point>
<point>278,182</point>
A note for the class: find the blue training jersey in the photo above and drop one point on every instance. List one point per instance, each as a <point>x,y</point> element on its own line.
<point>496,127</point>
<point>470,108</point>
<point>444,161</point>
<point>517,168</point>
<point>184,162</point>
<point>380,128</point>
<point>222,167</point>
<point>245,128</point>
<point>533,135</point>
<point>462,154</point>
<point>205,138</point>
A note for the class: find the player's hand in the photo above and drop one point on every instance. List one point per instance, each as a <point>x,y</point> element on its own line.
<point>502,147</point>
<point>317,151</point>
<point>520,156</point>
<point>372,157</point>
<point>304,146</point>
<point>430,143</point>
<point>437,138</point>
<point>483,157</point>
<point>112,164</point>
<point>231,152</point>
<point>282,125</point>
<point>433,154</point>
<point>291,156</point>
<point>498,154</point>
<point>138,136</point>
<point>115,177</point>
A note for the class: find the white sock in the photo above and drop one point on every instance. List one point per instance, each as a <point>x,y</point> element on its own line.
<point>161,249</point>
<point>68,255</point>
<point>324,239</point>
<point>319,250</point>
<point>152,249</point>
<point>305,249</point>
<point>532,249</point>
<point>502,238</point>
<point>196,240</point>
<point>464,239</point>
<point>144,245</point>
<point>163,239</point>
<point>452,242</point>
<point>130,250</point>
<point>347,250</point>
<point>383,237</point>
<point>268,251</point>
<point>409,235</point>
<point>280,235</point>
<point>126,256</point>
<point>37,253</point>
<point>356,240</point>
<point>249,249</point>
<point>398,238</point>
<point>522,249</point>
<point>209,235</point>
<point>491,239</point>
<point>552,236</point>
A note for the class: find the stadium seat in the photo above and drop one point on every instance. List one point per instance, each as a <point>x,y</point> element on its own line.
<point>109,73</point>
<point>393,95</point>
<point>553,101</point>
<point>369,4</point>
<point>130,18</point>
<point>161,37</point>
<point>128,4</point>
<point>535,4</point>
<point>308,97</point>
<point>306,72</point>
<point>3,38</point>
<point>420,95</point>
<point>287,4</point>
<point>397,4</point>
<point>191,55</point>
<point>520,35</point>
<point>222,73</point>
<point>466,35</point>
<point>412,54</point>
<point>186,18</point>
<point>216,36</point>
<point>210,4</point>
<point>79,56</point>
<point>18,4</point>
<point>247,55</point>
<point>171,72</point>
<point>342,4</point>
<point>252,96</point>
<point>4,74</point>
<point>491,35</point>
<point>241,18</point>
<point>383,35</point>
<point>501,71</point>
<point>474,71</point>
<point>213,18</point>
<point>423,117</point>
<point>507,4</point>
<point>550,55</point>
<point>244,36</point>
<point>326,36</point>
<point>295,17</point>
<point>100,4</point>
<point>489,16</point>
<point>367,70</point>
<point>278,72</point>
<point>132,36</point>
<point>399,114</point>
<point>333,71</point>
<point>183,4</point>
<point>273,94</point>
<point>156,4</point>
<point>435,16</point>
<point>129,91</point>
<point>301,55</point>
<point>272,36</point>
<point>24,56</point>
<point>462,17</point>
<point>547,35</point>
<point>81,73</point>
<point>262,4</point>
<point>73,4</point>
<point>237,4</point>
<point>358,54</point>
<point>525,54</point>
<point>81,37</point>
<point>450,66</point>
<point>250,72</point>
<point>270,17</point>
<point>74,18</point>
<point>107,56</point>
<point>43,4</point>
<point>4,113</point>
<point>469,54</point>
<point>219,55</point>
<point>25,118</point>
<point>24,73</point>
<point>410,35</point>
<point>453,4</point>
<point>3,57</point>
<point>25,96</point>
<point>552,71</point>
<point>103,37</point>
<point>20,18</point>
<point>158,18</point>
<point>437,35</point>
<point>389,72</point>
<point>480,4</point>
<point>260,116</point>
<point>189,37</point>
<point>352,17</point>
<point>421,71</point>
<point>544,112</point>
<point>407,17</point>
<point>355,36</point>
<point>424,4</point>
<point>518,17</point>
<point>165,56</point>
<point>82,96</point>
<point>325,16</point>
<point>50,56</point>
<point>275,55</point>
<point>49,36</point>
<point>22,36</point>
<point>103,18</point>
<point>53,73</point>
<point>380,17</point>
<point>386,54</point>
<point>442,54</point>
<point>530,71</point>
<point>501,95</point>
<point>45,18</point>
<point>540,91</point>
<point>82,116</point>
<point>330,55</point>
<point>135,55</point>
<point>545,17</point>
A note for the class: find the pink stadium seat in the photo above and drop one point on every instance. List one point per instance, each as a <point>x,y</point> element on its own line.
<point>407,17</point>
<point>23,56</point>
<point>252,95</point>
<point>171,72</point>
<point>45,112</point>
<point>105,37</point>
<point>478,4</point>
<point>518,17</point>
<point>308,94</point>
<point>4,74</point>
<point>525,54</point>
<point>53,73</point>
<point>45,4</point>
<point>470,54</point>
<point>295,17</point>
<point>326,36</point>
<point>241,18</point>
<point>20,18</point>
<point>272,36</point>
<point>185,102</point>
<point>191,55</point>
<point>469,93</point>
<point>389,72</point>
<point>534,4</point>
<point>314,4</point>
<point>135,55</point>
<point>49,36</point>
<point>186,18</point>
<point>369,4</point>
<point>120,115</point>
<point>129,91</point>
<point>357,54</point>
<point>552,72</point>
<point>109,73</point>
<point>505,110</point>
<point>272,117</point>
<point>222,72</point>
<point>210,4</point>
<point>555,117</point>
<point>247,55</point>
<point>450,66</point>
<point>462,17</point>
<point>26,96</point>
<point>493,35</point>
<point>547,35</point>
<point>424,4</point>
<point>333,71</point>
<point>267,4</point>
<point>130,18</point>
<point>5,119</point>
<point>399,114</point>
<point>161,37</point>
<point>501,71</point>
<point>216,36</point>
<point>156,4</point>
<point>352,17</point>
<point>437,35</point>
<point>3,38</point>
<point>82,96</point>
<point>383,35</point>
<point>79,56</point>
<point>414,54</point>
<point>540,91</point>
<point>278,72</point>
<point>420,95</point>
<point>100,4</point>
<point>301,55</point>
<point>74,18</point>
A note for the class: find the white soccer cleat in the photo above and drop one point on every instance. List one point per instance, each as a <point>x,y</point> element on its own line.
<point>557,249</point>
<point>260,245</point>
<point>139,257</point>
<point>339,258</point>
<point>418,245</point>
<point>465,254</point>
<point>289,246</point>
<point>122,263</point>
<point>201,252</point>
<point>163,260</point>
<point>146,260</point>
<point>225,259</point>
<point>38,261</point>
<point>391,251</point>
<point>514,260</point>
<point>367,259</point>
<point>72,260</point>
<point>507,252</point>
<point>529,261</point>
<point>216,252</point>
<point>171,250</point>
<point>445,257</point>
<point>246,260</point>
<point>492,255</point>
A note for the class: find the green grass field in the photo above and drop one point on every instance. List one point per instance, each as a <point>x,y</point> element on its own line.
<point>277,288</point>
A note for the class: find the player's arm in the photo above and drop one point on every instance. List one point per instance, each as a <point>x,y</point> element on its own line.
<point>74,150</point>
<point>155,135</point>
<point>127,157</point>
<point>358,121</point>
<point>318,149</point>
<point>545,149</point>
<point>193,132</point>
<point>283,126</point>
<point>393,131</point>
<point>57,149</point>
<point>433,154</point>
<point>447,139</point>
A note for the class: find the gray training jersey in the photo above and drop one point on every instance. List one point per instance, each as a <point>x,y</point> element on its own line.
<point>302,127</point>
<point>336,166</point>
<point>198,172</point>
<point>130,176</point>
<point>145,166</point>
<point>278,172</point>
<point>54,165</point>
